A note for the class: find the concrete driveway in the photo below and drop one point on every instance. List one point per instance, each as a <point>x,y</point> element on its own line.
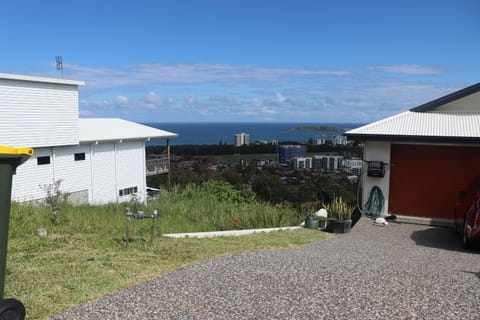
<point>402,271</point>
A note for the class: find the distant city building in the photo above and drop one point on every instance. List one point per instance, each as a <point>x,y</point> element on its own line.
<point>241,139</point>
<point>302,163</point>
<point>287,153</point>
<point>327,162</point>
<point>353,166</point>
<point>260,163</point>
<point>317,141</point>
<point>342,140</point>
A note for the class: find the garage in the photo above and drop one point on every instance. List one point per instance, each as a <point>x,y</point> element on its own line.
<point>425,180</point>
<point>428,155</point>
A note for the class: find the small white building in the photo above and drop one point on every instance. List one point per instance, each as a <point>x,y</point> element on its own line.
<point>242,139</point>
<point>98,160</point>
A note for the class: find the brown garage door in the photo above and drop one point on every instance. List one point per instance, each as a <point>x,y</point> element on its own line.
<point>425,180</point>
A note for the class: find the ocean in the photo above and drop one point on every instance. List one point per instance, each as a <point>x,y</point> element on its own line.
<point>215,133</point>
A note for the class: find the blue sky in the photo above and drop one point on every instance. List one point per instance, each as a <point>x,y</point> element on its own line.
<point>250,60</point>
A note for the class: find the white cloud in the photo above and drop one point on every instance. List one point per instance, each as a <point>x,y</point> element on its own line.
<point>268,110</point>
<point>121,100</point>
<point>214,92</point>
<point>155,73</point>
<point>152,98</point>
<point>280,98</point>
<point>412,69</point>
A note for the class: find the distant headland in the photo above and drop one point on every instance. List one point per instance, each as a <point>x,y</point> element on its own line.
<point>317,128</point>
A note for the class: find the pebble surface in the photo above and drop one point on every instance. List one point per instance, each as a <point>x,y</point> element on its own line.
<point>399,271</point>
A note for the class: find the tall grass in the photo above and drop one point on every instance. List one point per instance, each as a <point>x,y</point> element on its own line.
<point>215,206</point>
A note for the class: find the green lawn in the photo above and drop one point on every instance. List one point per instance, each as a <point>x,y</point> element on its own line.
<point>84,256</point>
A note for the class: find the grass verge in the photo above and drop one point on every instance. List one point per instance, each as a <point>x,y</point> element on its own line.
<point>84,257</point>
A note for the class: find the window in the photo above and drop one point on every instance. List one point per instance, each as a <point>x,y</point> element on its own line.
<point>127,191</point>
<point>80,156</point>
<point>43,160</point>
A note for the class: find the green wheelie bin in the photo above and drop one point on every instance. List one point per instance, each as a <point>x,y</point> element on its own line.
<point>10,159</point>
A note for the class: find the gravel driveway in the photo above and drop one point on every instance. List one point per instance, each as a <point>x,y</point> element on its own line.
<point>403,271</point>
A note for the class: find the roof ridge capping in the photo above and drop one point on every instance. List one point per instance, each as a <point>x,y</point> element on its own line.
<point>429,106</point>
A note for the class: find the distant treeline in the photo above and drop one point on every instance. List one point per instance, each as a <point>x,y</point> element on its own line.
<point>224,149</point>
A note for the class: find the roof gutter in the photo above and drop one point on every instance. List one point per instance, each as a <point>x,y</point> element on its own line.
<point>411,138</point>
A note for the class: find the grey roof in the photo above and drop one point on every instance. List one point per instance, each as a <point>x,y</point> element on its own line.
<point>458,125</point>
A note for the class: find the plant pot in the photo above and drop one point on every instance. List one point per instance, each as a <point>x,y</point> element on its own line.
<point>322,224</point>
<point>311,223</point>
<point>341,226</point>
<point>329,224</point>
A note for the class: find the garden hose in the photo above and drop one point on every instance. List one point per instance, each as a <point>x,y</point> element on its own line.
<point>374,206</point>
<point>375,203</point>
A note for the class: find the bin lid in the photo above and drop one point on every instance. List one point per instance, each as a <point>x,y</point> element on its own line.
<point>19,154</point>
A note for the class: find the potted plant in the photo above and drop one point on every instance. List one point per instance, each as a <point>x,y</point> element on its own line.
<point>340,216</point>
<point>311,222</point>
<point>322,222</point>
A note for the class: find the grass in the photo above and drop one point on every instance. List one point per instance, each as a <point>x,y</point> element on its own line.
<point>84,257</point>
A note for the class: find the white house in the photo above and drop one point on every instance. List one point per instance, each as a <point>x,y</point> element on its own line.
<point>428,156</point>
<point>98,160</point>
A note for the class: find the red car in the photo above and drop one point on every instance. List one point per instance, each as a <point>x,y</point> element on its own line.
<point>467,218</point>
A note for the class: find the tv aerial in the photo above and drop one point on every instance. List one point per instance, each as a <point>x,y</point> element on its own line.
<point>59,61</point>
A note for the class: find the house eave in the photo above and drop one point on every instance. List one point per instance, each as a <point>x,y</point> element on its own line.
<point>411,138</point>
<point>122,140</point>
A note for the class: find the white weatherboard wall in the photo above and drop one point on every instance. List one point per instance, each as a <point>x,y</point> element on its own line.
<point>376,151</point>
<point>130,170</point>
<point>107,168</point>
<point>103,173</point>
<point>75,174</point>
<point>29,177</point>
<point>38,114</point>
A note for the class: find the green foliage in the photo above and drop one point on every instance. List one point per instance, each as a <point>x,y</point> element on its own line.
<point>339,209</point>
<point>54,196</point>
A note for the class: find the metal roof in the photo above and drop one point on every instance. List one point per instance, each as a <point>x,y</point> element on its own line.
<point>108,129</point>
<point>18,77</point>
<point>437,120</point>
<point>418,125</point>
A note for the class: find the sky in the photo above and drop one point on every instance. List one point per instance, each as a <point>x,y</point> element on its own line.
<point>304,61</point>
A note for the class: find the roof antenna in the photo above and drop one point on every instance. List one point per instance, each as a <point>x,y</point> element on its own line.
<point>59,61</point>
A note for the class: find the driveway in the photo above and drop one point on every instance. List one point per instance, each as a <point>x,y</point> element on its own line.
<point>402,271</point>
